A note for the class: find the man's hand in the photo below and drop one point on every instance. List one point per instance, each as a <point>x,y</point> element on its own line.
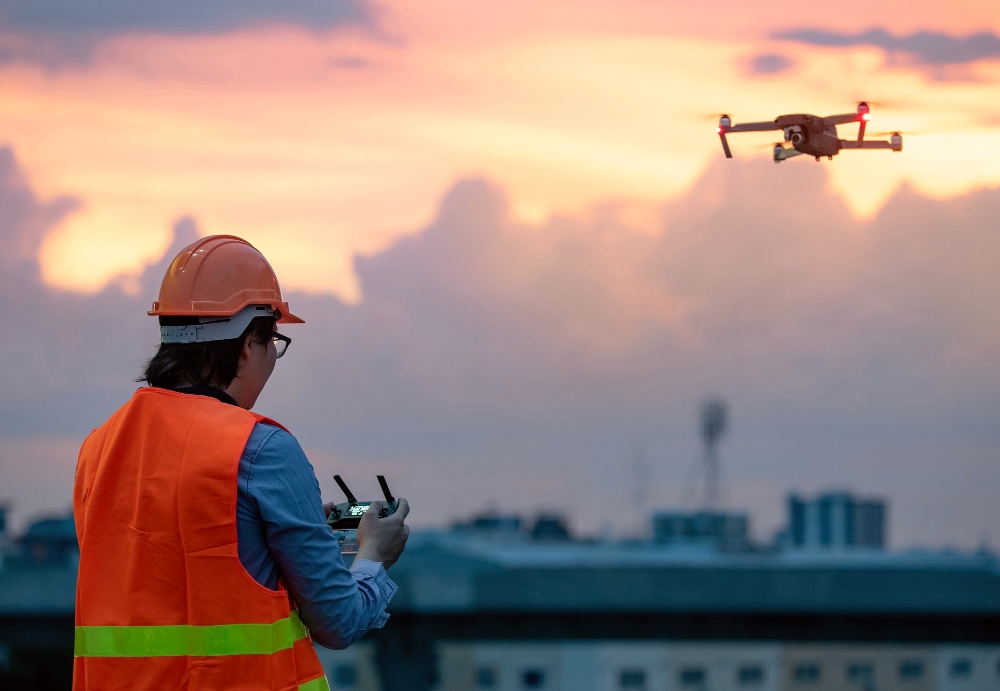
<point>383,539</point>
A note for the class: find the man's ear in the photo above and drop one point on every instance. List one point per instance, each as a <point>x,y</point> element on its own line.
<point>244,354</point>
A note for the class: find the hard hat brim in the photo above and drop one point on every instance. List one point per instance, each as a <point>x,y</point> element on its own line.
<point>284,314</point>
<point>289,318</point>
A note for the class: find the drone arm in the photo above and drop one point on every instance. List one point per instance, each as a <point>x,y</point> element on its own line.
<point>844,119</point>
<point>781,153</point>
<point>868,144</point>
<point>725,144</point>
<point>754,127</point>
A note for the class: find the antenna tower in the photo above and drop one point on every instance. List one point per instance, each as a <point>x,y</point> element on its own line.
<point>713,426</point>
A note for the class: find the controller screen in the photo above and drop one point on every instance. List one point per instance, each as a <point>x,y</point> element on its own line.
<point>358,510</point>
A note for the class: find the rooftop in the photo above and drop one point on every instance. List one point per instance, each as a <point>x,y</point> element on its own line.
<point>462,572</point>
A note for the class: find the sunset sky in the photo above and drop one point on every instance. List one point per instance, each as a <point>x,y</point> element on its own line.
<point>326,130</point>
<point>327,133</point>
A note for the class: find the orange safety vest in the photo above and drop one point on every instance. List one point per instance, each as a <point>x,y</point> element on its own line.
<point>162,600</point>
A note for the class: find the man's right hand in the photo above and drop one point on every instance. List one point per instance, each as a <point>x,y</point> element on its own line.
<point>383,539</point>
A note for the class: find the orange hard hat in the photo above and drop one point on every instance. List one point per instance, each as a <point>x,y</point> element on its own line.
<point>219,275</point>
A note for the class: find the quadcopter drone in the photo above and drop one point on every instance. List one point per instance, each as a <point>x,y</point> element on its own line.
<point>812,135</point>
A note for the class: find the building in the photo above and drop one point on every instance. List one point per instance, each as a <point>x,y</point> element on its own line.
<point>4,539</point>
<point>720,666</point>
<point>708,530</point>
<point>547,527</point>
<point>482,614</point>
<point>50,542</point>
<point>493,608</point>
<point>836,520</point>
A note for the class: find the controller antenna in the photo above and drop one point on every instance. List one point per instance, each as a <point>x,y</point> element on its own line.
<point>347,492</point>
<point>385,488</point>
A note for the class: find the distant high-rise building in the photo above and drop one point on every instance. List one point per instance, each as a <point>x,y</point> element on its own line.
<point>836,520</point>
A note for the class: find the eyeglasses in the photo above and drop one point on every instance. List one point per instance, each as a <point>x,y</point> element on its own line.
<point>281,342</point>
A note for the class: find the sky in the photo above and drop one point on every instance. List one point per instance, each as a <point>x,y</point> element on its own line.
<point>521,255</point>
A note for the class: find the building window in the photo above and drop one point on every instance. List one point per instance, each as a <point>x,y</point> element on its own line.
<point>806,673</point>
<point>860,672</point>
<point>632,679</point>
<point>750,675</point>
<point>911,670</point>
<point>533,679</point>
<point>692,676</point>
<point>486,677</point>
<point>345,676</point>
<point>961,667</point>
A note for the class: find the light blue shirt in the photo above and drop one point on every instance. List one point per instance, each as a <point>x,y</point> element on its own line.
<point>282,534</point>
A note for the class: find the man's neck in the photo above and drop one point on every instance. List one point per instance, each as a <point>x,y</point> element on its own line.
<point>202,390</point>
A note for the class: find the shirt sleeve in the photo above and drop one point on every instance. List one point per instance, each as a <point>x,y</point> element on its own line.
<point>336,604</point>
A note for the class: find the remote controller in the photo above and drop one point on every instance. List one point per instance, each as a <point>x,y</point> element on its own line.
<point>344,518</point>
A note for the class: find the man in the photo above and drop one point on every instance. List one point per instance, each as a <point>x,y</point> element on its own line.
<point>205,558</point>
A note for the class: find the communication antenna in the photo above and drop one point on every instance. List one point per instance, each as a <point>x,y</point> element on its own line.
<point>713,426</point>
<point>640,495</point>
<point>351,499</point>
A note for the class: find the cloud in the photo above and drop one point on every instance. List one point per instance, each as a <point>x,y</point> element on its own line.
<point>67,342</point>
<point>493,361</point>
<point>173,16</point>
<point>923,48</point>
<point>495,356</point>
<point>769,63</point>
<point>24,220</point>
<point>59,32</point>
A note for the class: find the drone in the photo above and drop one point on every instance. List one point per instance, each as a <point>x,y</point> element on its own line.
<point>812,135</point>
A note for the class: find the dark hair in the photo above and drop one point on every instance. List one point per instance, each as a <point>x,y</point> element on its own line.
<point>214,363</point>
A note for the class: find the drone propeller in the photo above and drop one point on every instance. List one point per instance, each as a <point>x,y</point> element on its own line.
<point>709,117</point>
<point>891,105</point>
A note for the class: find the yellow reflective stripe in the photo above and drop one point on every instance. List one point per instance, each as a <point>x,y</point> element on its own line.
<point>320,684</point>
<point>165,641</point>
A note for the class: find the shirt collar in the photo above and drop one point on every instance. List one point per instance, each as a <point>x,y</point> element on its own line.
<point>209,391</point>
